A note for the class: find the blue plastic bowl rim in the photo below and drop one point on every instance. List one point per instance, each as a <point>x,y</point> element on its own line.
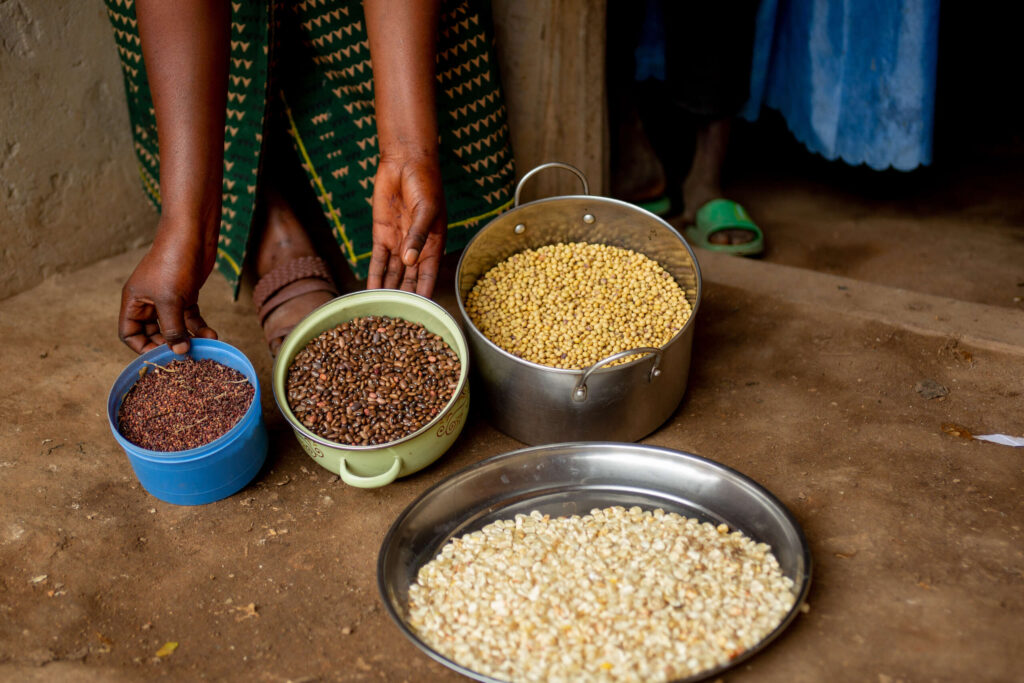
<point>200,451</point>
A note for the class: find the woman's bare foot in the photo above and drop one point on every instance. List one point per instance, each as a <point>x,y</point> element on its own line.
<point>704,182</point>
<point>284,241</point>
<point>697,191</point>
<point>636,175</point>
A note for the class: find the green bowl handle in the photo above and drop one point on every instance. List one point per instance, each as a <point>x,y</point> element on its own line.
<point>370,482</point>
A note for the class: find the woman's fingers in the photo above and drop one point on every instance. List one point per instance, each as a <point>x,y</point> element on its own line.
<point>417,235</point>
<point>394,274</point>
<point>427,277</point>
<point>171,317</point>
<point>409,281</point>
<point>386,269</point>
<point>378,265</point>
<point>139,330</point>
<point>133,322</point>
<point>195,324</point>
<point>424,217</point>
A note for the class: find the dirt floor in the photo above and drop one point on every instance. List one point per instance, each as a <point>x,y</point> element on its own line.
<point>806,375</point>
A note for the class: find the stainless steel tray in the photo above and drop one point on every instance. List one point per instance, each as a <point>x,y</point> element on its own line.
<point>573,478</point>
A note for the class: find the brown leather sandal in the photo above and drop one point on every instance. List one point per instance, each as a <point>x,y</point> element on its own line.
<point>288,281</point>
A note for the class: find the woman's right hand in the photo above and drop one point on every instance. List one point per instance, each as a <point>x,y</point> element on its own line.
<point>160,300</point>
<point>185,47</point>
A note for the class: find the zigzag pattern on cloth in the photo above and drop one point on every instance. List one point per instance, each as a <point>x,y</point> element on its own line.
<point>314,56</point>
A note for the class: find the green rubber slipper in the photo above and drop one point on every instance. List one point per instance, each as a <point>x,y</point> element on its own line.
<point>724,214</point>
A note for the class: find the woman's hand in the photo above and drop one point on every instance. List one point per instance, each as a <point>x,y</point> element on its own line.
<point>409,217</point>
<point>185,45</point>
<point>159,302</point>
<point>409,224</point>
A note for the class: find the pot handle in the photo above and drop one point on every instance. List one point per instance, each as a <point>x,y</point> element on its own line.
<point>370,482</point>
<point>551,164</point>
<point>579,394</point>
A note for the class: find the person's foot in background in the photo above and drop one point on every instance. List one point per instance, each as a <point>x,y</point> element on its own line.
<point>636,174</point>
<point>710,220</point>
<point>704,181</point>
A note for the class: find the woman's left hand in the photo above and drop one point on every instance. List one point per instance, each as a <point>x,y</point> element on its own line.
<point>409,224</point>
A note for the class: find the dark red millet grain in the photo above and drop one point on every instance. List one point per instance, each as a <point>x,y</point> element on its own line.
<point>183,404</point>
<point>371,380</point>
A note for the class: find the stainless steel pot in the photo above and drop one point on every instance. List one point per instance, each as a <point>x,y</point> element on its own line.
<point>537,404</point>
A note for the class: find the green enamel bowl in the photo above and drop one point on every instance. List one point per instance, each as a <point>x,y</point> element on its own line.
<point>374,466</point>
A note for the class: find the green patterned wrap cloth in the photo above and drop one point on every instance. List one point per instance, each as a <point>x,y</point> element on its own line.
<point>310,61</point>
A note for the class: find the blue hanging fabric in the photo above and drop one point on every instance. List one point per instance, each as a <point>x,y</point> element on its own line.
<point>650,50</point>
<point>854,79</point>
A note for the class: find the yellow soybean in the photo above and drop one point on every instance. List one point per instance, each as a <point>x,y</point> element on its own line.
<point>569,305</point>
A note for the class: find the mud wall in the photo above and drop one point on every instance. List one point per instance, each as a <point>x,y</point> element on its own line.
<point>69,191</point>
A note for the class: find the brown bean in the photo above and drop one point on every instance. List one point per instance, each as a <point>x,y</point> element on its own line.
<point>372,380</point>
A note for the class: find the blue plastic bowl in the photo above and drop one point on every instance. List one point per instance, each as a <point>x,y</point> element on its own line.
<point>208,473</point>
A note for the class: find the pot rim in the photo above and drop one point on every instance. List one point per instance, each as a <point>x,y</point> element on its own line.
<point>294,423</point>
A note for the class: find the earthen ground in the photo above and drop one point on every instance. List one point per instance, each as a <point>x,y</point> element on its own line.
<point>804,374</point>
